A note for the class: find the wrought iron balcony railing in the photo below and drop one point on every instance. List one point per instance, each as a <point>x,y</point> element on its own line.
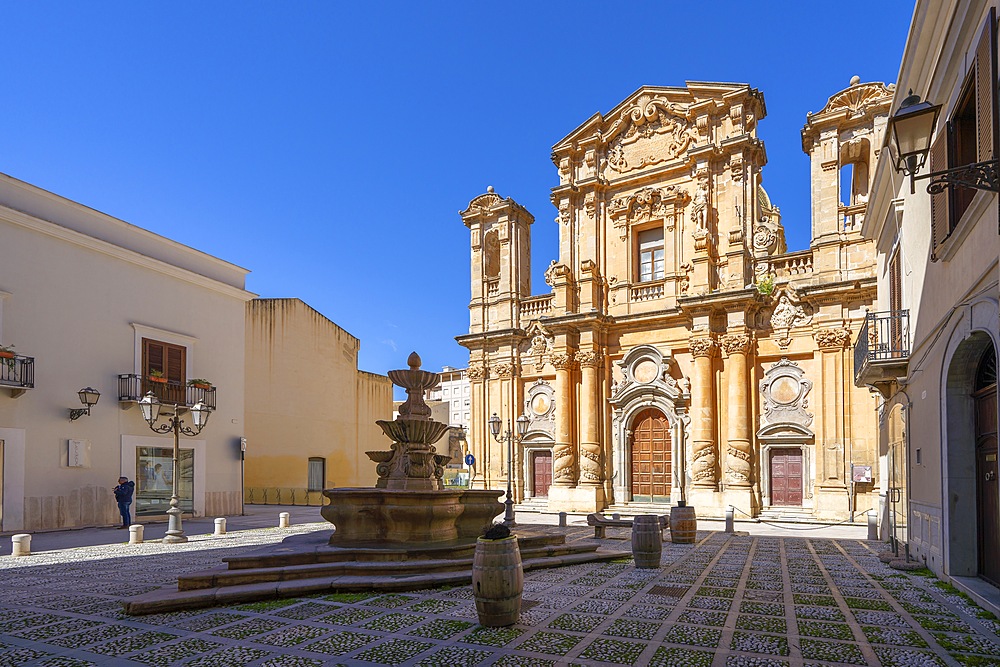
<point>133,387</point>
<point>17,372</point>
<point>884,340</point>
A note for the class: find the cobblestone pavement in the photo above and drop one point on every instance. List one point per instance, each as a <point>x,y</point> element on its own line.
<point>727,601</point>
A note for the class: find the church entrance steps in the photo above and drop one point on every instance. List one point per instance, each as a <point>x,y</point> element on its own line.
<point>786,515</point>
<point>538,505</point>
<point>310,566</point>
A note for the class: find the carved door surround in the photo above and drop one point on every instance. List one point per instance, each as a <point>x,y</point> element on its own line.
<point>538,444</point>
<point>785,423</point>
<point>646,382</point>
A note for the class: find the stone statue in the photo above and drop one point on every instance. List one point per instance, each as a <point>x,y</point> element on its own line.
<point>699,207</point>
<point>787,315</point>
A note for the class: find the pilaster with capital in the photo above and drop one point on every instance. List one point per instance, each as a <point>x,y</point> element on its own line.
<point>832,341</point>
<point>564,451</point>
<point>591,455</point>
<point>704,451</point>
<point>739,469</point>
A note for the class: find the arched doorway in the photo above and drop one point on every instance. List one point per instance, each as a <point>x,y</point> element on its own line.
<point>987,491</point>
<point>651,457</point>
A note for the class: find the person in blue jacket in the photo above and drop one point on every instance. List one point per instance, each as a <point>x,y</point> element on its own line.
<point>123,494</point>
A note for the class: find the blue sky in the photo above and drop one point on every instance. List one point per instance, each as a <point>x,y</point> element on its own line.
<point>328,147</point>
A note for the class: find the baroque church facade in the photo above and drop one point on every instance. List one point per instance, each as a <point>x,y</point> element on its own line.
<point>680,351</point>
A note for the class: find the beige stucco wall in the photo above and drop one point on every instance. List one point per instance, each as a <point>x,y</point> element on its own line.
<point>77,296</point>
<point>306,398</point>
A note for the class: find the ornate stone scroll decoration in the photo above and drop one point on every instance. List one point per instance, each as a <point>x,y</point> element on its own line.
<point>736,343</point>
<point>784,397</point>
<point>550,274</point>
<point>591,463</point>
<point>540,345</point>
<point>563,361</point>
<point>588,358</point>
<point>651,131</point>
<point>590,204</point>
<point>504,369</point>
<point>787,313</point>
<point>540,407</point>
<point>834,337</point>
<point>563,463</point>
<point>858,97</point>
<point>645,381</point>
<point>477,371</point>
<point>645,204</point>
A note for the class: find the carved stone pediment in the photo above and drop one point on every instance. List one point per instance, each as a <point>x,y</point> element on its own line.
<point>537,348</point>
<point>856,99</point>
<point>646,204</point>
<point>784,399</point>
<point>646,371</point>
<point>648,132</point>
<point>540,407</point>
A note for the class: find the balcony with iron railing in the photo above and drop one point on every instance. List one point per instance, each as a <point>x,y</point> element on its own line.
<point>17,373</point>
<point>132,387</point>
<point>882,351</point>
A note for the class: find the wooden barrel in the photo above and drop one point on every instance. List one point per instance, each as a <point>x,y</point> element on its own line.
<point>683,524</point>
<point>497,581</point>
<point>647,545</point>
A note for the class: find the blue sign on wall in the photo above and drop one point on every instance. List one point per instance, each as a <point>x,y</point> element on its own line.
<point>470,460</point>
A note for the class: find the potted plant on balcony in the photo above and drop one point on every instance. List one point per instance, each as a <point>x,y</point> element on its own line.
<point>200,383</point>
<point>157,376</point>
<point>7,355</point>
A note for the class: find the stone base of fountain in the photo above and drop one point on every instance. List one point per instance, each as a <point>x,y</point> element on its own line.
<point>366,516</point>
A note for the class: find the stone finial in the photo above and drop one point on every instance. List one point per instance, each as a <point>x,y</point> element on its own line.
<point>489,188</point>
<point>855,80</point>
<point>413,361</point>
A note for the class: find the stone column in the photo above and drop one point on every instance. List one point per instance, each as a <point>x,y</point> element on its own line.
<point>591,458</point>
<point>739,470</point>
<point>564,451</point>
<point>479,435</point>
<point>704,454</point>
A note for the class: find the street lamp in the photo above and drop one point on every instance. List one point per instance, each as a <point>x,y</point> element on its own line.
<point>89,397</point>
<point>910,130</point>
<point>508,437</point>
<point>150,406</point>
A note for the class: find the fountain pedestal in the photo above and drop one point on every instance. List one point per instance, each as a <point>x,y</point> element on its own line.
<point>408,503</point>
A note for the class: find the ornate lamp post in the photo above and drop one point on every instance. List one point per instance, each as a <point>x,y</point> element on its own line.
<point>508,437</point>
<point>150,406</point>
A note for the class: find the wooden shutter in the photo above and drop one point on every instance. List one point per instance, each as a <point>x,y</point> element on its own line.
<point>895,283</point>
<point>986,91</point>
<point>939,202</point>
<point>164,357</point>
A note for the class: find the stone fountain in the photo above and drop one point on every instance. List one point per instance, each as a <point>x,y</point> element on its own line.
<point>409,503</point>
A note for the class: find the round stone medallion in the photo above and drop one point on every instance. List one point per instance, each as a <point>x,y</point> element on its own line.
<point>785,390</point>
<point>645,371</point>
<point>540,404</point>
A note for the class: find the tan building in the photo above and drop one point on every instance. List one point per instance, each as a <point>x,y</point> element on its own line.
<point>930,350</point>
<point>681,346</point>
<point>88,300</point>
<point>310,412</point>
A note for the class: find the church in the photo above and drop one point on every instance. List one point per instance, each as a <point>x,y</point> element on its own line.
<point>679,351</point>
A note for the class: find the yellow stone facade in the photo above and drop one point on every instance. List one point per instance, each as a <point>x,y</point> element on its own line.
<point>658,364</point>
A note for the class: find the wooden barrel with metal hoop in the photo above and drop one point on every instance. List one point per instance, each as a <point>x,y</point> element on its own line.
<point>497,581</point>
<point>647,543</point>
<point>683,524</point>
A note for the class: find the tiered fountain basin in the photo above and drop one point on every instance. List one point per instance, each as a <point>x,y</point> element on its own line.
<point>365,516</point>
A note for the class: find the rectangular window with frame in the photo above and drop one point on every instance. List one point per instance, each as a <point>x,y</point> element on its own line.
<point>317,474</point>
<point>154,479</point>
<point>651,258</point>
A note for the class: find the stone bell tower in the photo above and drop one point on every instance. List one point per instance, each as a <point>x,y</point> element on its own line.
<point>501,260</point>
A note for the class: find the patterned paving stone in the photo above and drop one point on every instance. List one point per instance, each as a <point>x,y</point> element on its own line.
<point>172,653</point>
<point>612,650</point>
<point>454,657</point>
<point>393,651</point>
<point>552,643</point>
<point>681,657</point>
<point>341,643</point>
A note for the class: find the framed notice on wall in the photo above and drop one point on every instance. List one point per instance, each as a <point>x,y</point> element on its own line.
<point>861,474</point>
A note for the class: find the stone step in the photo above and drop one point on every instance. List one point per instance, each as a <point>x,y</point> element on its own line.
<point>307,549</point>
<point>170,599</point>
<point>234,577</point>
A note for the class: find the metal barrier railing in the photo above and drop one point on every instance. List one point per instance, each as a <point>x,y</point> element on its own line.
<point>277,495</point>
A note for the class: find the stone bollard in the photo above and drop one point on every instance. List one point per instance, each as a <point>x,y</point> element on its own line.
<point>616,516</point>
<point>872,526</point>
<point>562,519</point>
<point>135,533</point>
<point>220,527</point>
<point>20,545</point>
<point>284,520</point>
<point>729,520</point>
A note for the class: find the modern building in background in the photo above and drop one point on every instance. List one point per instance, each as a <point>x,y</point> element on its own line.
<point>930,349</point>
<point>310,412</point>
<point>90,301</point>
<point>681,348</point>
<point>454,389</point>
